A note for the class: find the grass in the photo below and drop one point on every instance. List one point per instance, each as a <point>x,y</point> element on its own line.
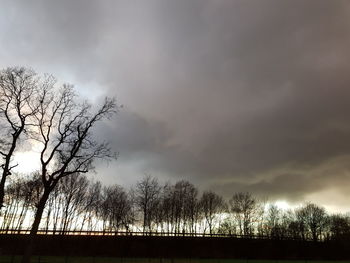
<point>50,259</point>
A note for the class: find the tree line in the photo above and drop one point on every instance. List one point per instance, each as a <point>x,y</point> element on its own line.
<point>80,204</point>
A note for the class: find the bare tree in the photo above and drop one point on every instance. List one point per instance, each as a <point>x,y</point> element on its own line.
<point>12,203</point>
<point>21,197</point>
<point>54,210</point>
<point>116,208</point>
<point>91,205</point>
<point>147,199</point>
<point>31,189</point>
<point>273,221</point>
<point>212,205</point>
<point>339,227</point>
<point>68,147</point>
<point>191,207</point>
<point>166,216</point>
<point>178,208</point>
<point>73,190</point>
<point>18,90</point>
<point>228,227</point>
<point>313,219</point>
<point>245,209</point>
<point>179,200</point>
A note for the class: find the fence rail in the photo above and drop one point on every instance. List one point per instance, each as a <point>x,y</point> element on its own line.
<point>139,233</point>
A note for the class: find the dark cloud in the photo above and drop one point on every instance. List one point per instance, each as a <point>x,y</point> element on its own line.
<point>233,95</point>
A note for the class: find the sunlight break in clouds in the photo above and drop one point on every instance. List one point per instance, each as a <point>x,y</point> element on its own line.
<point>282,204</point>
<point>28,161</point>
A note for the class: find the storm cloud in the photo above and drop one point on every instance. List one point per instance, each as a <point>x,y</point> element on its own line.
<point>231,95</point>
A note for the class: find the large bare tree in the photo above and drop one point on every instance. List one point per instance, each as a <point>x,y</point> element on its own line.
<point>18,93</point>
<point>65,133</point>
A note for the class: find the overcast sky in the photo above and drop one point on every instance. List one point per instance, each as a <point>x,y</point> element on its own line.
<point>250,95</point>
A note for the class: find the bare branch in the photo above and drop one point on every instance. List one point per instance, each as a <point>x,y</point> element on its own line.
<point>18,93</point>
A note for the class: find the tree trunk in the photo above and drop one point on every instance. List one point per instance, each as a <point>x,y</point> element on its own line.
<point>6,166</point>
<point>2,188</point>
<point>39,212</point>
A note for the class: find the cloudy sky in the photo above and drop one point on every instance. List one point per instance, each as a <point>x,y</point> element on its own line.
<point>232,95</point>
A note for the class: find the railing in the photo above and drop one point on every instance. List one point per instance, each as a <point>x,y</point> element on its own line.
<point>139,233</point>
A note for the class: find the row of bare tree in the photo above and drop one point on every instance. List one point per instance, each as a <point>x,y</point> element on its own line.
<point>79,204</point>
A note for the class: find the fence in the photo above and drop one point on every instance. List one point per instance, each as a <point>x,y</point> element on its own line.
<point>140,233</point>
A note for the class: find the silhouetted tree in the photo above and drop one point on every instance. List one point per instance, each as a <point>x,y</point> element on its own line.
<point>166,207</point>
<point>339,227</point>
<point>228,227</point>
<point>147,195</point>
<point>212,206</point>
<point>273,222</point>
<point>73,190</point>
<point>245,209</point>
<point>184,204</point>
<point>91,206</point>
<point>191,207</point>
<point>22,194</point>
<point>54,210</point>
<point>12,203</point>
<point>68,147</point>
<point>116,208</point>
<point>312,219</point>
<point>18,94</point>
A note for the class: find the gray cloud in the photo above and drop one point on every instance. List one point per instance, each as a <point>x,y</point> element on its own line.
<point>233,95</point>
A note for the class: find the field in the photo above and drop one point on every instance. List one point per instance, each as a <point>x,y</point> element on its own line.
<point>150,249</point>
<point>47,259</point>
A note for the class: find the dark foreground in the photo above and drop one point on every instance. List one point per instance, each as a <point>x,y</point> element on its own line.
<point>47,259</point>
<point>161,248</point>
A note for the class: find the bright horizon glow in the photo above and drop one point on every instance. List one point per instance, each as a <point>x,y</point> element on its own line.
<point>282,204</point>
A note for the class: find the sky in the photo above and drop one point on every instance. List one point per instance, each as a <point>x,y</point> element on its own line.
<point>232,95</point>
